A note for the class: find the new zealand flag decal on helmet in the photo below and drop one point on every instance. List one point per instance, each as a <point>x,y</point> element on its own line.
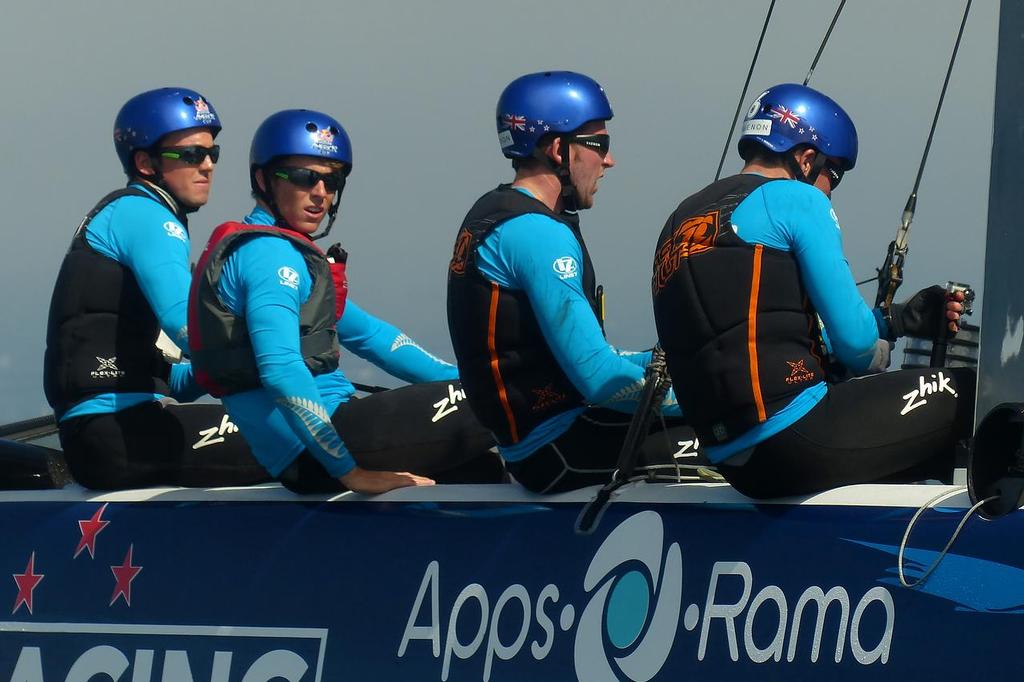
<point>513,122</point>
<point>785,116</point>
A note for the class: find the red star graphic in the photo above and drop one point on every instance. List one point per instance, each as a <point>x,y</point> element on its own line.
<point>90,529</point>
<point>124,574</point>
<point>26,582</point>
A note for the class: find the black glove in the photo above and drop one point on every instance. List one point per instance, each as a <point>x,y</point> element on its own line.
<point>922,316</point>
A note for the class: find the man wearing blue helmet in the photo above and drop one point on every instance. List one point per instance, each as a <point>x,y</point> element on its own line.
<point>125,279</point>
<point>267,311</point>
<point>524,312</point>
<point>743,272</point>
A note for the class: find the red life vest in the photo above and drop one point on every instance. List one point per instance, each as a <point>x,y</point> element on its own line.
<point>222,354</point>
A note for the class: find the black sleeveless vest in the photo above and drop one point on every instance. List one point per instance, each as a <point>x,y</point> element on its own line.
<point>222,352</point>
<point>740,336</point>
<point>512,380</point>
<point>101,331</point>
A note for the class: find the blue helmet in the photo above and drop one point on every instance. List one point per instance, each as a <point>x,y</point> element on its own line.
<point>539,104</point>
<point>148,116</point>
<point>301,132</point>
<point>788,115</point>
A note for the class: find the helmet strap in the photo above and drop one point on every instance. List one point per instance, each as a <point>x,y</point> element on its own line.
<point>332,213</point>
<point>570,203</point>
<point>816,167</point>
<point>568,192</point>
<point>180,211</point>
<point>157,181</point>
<point>267,196</point>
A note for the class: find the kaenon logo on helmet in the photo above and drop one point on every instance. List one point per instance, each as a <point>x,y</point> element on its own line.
<point>628,626</point>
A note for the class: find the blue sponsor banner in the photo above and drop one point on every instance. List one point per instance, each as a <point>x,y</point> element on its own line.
<point>251,591</point>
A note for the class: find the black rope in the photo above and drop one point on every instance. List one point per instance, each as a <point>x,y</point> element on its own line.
<point>656,385</point>
<point>890,275</point>
<point>743,93</point>
<point>824,41</point>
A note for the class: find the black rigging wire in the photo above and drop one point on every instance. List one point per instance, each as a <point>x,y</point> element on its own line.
<point>743,93</point>
<point>824,41</point>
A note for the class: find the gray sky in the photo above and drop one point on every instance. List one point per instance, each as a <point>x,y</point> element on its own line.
<point>415,85</point>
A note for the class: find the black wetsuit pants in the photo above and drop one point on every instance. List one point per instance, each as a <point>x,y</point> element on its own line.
<point>588,453</point>
<point>892,427</point>
<point>426,429</point>
<point>159,443</point>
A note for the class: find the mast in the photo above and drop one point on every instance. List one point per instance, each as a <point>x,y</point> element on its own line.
<point>1001,361</point>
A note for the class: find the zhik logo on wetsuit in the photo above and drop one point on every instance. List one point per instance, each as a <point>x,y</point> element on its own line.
<point>565,267</point>
<point>448,404</point>
<point>289,278</point>
<point>175,230</point>
<point>916,398</point>
<point>215,434</point>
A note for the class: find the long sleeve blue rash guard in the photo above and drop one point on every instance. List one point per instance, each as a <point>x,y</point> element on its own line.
<point>292,410</point>
<point>519,255</point>
<point>797,218</point>
<point>148,239</point>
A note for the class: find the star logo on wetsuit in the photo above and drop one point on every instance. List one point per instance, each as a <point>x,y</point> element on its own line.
<point>546,397</point>
<point>107,369</point>
<point>798,372</point>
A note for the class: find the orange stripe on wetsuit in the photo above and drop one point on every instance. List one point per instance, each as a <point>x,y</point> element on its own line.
<point>755,290</point>
<point>492,321</point>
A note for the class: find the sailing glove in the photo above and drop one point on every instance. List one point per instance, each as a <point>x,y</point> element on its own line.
<point>921,316</point>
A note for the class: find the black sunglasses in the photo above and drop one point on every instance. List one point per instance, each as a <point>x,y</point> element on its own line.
<point>835,174</point>
<point>308,179</point>
<point>192,154</point>
<point>599,142</point>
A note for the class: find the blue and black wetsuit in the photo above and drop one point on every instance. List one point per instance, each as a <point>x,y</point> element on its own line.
<point>752,294</point>
<point>307,430</point>
<point>524,319</point>
<point>124,279</point>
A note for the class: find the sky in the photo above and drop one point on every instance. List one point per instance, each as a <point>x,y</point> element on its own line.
<point>415,85</point>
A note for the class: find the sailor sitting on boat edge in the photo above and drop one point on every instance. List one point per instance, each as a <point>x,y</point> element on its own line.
<point>524,312</point>
<point>743,270</point>
<point>123,280</point>
<point>264,323</point>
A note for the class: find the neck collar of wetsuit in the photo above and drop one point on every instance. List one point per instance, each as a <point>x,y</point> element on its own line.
<point>164,197</point>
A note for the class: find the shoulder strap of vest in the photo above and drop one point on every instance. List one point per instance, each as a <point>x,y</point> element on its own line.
<point>505,202</point>
<point>110,198</point>
<point>226,236</point>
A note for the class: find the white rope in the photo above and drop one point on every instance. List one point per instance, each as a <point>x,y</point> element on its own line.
<point>906,535</point>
